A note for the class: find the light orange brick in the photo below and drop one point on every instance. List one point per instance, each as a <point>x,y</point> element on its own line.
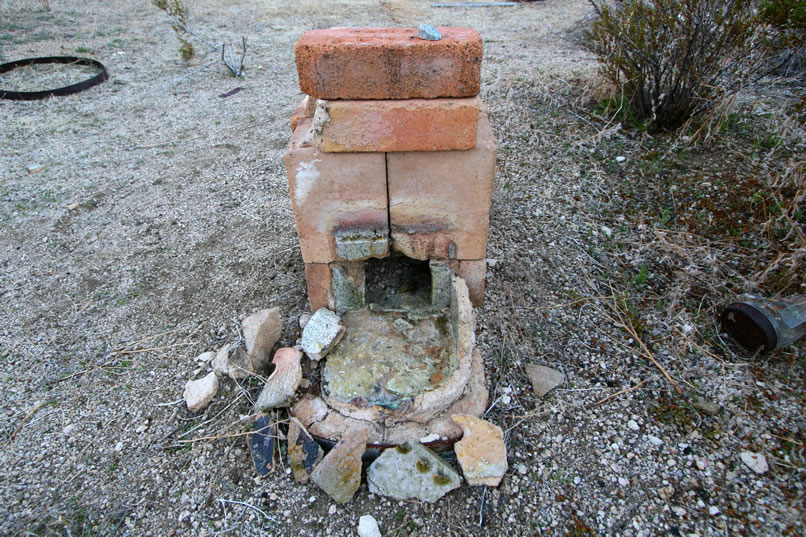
<point>320,286</point>
<point>388,63</point>
<point>396,125</point>
<point>439,202</point>
<point>334,193</point>
<point>474,272</point>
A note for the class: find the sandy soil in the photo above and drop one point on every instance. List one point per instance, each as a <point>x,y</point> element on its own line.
<point>141,219</point>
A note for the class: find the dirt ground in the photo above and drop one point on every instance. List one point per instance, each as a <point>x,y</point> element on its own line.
<point>143,218</point>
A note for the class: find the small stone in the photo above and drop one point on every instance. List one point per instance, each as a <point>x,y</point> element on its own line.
<point>620,159</point>
<point>522,469</point>
<point>426,31</point>
<point>368,527</point>
<point>633,425</point>
<point>332,509</point>
<point>261,330</point>
<point>714,511</point>
<point>35,168</point>
<point>623,482</point>
<point>543,378</point>
<point>119,447</point>
<point>706,407</point>
<point>304,453</point>
<point>701,462</point>
<point>607,231</point>
<point>402,325</point>
<point>433,437</point>
<point>205,357</point>
<point>303,320</point>
<point>69,429</point>
<point>492,262</point>
<point>141,429</point>
<point>220,363</point>
<point>411,470</point>
<point>339,473</point>
<point>679,511</point>
<point>281,386</point>
<point>664,493</point>
<point>481,452</point>
<point>261,445</point>
<point>72,207</point>
<point>654,440</point>
<point>321,334</point>
<point>755,461</point>
<point>199,393</point>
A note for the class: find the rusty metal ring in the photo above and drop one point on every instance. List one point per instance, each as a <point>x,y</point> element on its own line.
<point>66,90</point>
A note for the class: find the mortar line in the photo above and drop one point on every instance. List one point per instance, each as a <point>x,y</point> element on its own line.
<point>388,201</point>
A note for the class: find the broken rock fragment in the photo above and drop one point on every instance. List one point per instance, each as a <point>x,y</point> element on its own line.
<point>199,393</point>
<point>261,445</point>
<point>282,384</point>
<point>321,334</point>
<point>304,453</point>
<point>339,473</point>
<point>544,379</point>
<point>411,471</point>
<point>755,461</point>
<point>481,452</point>
<point>261,330</point>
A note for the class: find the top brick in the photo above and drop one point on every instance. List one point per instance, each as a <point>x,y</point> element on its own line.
<point>388,63</point>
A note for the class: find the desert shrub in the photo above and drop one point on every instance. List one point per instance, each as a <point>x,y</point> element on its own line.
<point>179,12</point>
<point>672,59</point>
<point>787,40</point>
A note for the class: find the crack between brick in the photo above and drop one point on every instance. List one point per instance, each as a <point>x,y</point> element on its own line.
<point>388,201</point>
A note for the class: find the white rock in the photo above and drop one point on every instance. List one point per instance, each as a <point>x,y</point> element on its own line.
<point>492,262</point>
<point>620,159</point>
<point>205,357</point>
<point>141,429</point>
<point>433,437</point>
<point>368,527</point>
<point>755,461</point>
<point>119,447</point>
<point>321,334</point>
<point>679,511</point>
<point>68,430</point>
<point>521,468</point>
<point>654,440</point>
<point>199,393</point>
<point>714,510</point>
<point>633,425</point>
<point>332,509</point>
<point>623,481</point>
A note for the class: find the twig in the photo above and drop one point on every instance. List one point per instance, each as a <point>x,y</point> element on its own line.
<point>244,504</point>
<point>30,414</point>
<point>612,395</point>
<point>171,403</point>
<point>150,349</point>
<point>481,507</point>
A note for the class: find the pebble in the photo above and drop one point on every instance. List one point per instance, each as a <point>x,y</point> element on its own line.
<point>521,469</point>
<point>368,527</point>
<point>714,510</point>
<point>620,159</point>
<point>332,509</point>
<point>633,425</point>
<point>607,231</point>
<point>654,440</point>
<point>622,481</point>
<point>205,357</point>
<point>119,446</point>
<point>755,461</point>
<point>303,320</point>
<point>426,31</point>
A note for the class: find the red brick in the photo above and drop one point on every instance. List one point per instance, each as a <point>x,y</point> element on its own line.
<point>333,192</point>
<point>320,291</point>
<point>388,63</point>
<point>396,125</point>
<point>439,202</point>
<point>305,110</point>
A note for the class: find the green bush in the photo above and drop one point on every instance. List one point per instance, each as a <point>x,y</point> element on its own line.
<point>673,59</point>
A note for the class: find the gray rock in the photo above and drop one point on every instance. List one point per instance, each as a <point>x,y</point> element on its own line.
<point>304,453</point>
<point>339,473</point>
<point>360,244</point>
<point>321,334</point>
<point>411,471</point>
<point>426,31</point>
<point>706,407</point>
<point>221,361</point>
<point>544,379</point>
<point>199,393</point>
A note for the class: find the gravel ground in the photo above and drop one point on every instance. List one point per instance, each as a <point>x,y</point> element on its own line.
<point>141,219</point>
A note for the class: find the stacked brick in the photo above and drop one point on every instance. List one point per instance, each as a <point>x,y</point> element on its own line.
<point>392,151</point>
